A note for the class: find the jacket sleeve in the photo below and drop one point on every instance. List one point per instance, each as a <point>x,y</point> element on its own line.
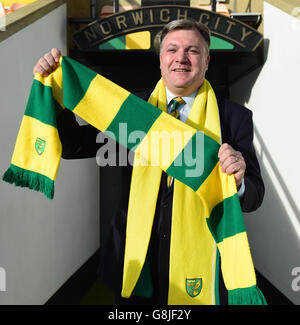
<point>84,141</point>
<point>77,141</point>
<point>237,130</point>
<point>254,185</point>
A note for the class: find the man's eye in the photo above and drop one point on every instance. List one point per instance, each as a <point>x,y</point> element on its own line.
<point>171,50</point>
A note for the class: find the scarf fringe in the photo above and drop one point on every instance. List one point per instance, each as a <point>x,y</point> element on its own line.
<point>25,178</point>
<point>246,296</point>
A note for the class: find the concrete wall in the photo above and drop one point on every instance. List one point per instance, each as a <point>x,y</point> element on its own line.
<point>273,94</point>
<point>42,242</point>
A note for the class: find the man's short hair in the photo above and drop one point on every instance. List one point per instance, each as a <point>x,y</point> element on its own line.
<point>187,24</point>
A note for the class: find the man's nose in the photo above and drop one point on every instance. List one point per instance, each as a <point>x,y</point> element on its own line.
<point>181,56</point>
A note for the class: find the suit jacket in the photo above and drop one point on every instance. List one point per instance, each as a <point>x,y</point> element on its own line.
<point>79,142</point>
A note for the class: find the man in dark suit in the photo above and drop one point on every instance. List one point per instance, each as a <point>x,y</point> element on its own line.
<point>184,58</point>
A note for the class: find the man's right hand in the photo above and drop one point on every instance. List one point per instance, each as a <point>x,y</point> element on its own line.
<point>48,63</point>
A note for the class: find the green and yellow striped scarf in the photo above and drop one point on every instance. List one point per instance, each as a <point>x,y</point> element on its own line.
<point>212,196</point>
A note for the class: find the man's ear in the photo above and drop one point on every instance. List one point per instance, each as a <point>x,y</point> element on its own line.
<point>207,61</point>
<point>160,61</point>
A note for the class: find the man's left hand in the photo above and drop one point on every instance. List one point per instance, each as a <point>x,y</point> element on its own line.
<point>232,162</point>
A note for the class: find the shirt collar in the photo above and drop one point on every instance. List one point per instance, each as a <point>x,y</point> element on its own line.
<point>188,99</point>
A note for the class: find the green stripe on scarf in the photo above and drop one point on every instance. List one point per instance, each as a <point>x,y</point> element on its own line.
<point>76,82</point>
<point>41,104</point>
<point>134,118</point>
<point>181,165</point>
<point>223,221</point>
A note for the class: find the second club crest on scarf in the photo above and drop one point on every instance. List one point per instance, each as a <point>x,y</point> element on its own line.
<point>40,145</point>
<point>193,287</point>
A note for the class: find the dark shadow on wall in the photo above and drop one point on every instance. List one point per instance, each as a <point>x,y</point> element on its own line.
<point>242,97</point>
<point>244,94</point>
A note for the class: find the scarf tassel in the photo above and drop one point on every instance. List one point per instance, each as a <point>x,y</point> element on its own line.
<point>246,296</point>
<point>26,178</point>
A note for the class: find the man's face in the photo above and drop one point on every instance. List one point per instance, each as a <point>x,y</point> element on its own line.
<point>183,61</point>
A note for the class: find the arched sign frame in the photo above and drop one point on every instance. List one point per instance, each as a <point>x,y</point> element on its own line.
<point>241,36</point>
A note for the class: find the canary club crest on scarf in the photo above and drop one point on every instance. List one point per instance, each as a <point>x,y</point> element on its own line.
<point>40,145</point>
<point>193,287</point>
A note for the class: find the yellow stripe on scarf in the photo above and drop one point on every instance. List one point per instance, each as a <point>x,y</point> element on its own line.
<point>193,248</point>
<point>32,130</point>
<point>232,246</point>
<point>163,142</point>
<point>215,195</point>
<point>55,81</point>
<point>87,107</point>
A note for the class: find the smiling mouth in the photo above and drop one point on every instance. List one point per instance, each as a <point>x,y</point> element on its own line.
<point>181,70</point>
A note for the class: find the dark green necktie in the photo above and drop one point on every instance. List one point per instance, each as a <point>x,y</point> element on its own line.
<point>175,103</point>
